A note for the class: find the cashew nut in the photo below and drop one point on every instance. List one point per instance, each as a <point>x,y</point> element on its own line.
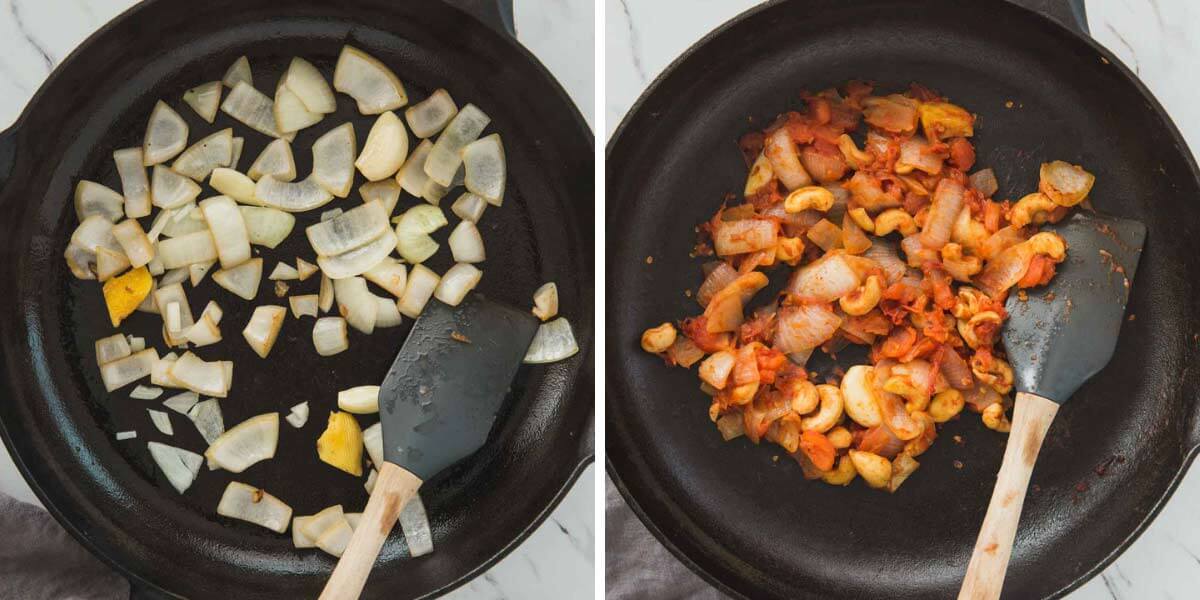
<point>862,300</point>
<point>902,467</point>
<point>998,374</point>
<point>716,368</point>
<point>995,419</point>
<point>918,445</point>
<point>967,328</point>
<point>858,396</point>
<point>658,339</point>
<point>856,158</point>
<point>1033,209</point>
<point>804,397</point>
<point>969,302</point>
<point>862,219</point>
<point>842,474</point>
<point>958,266</point>
<point>1050,244</point>
<point>901,386</point>
<point>761,174</point>
<point>967,231</point>
<point>811,197</point>
<point>789,250</point>
<point>875,469</point>
<point>895,219</point>
<point>839,436</point>
<point>829,414</point>
<point>946,405</point>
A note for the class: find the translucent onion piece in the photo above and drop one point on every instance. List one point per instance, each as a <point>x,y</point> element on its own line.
<point>197,271</point>
<point>168,294</point>
<point>325,295</point>
<point>236,154</point>
<point>353,519</point>
<point>178,465</point>
<point>335,538</point>
<point>369,484</point>
<point>387,315</point>
<point>361,400</point>
<point>305,269</point>
<point>135,185</point>
<point>456,282</point>
<point>421,284</point>
<point>434,192</point>
<point>545,301</point>
<point>92,198</point>
<point>351,229</point>
<point>390,275</point>
<point>373,443</point>
<point>331,214</point>
<point>329,336</point>
<point>252,108</point>
<point>159,372</point>
<point>430,115</point>
<point>298,417</point>
<point>267,226</point>
<point>385,149</point>
<point>161,420</point>
<point>304,305</point>
<point>552,342</point>
<point>318,523</point>
<point>413,229</point>
<point>95,232</point>
<point>126,435</point>
<point>414,521</point>
<point>241,280</point>
<point>359,260</point>
<point>333,160</point>
<point>207,378</point>
<point>182,221</point>
<point>187,249</point>
<point>207,418</point>
<point>142,392</point>
<point>204,99</point>
<point>253,505</point>
<point>372,85</point>
<point>804,327</point>
<point>466,245</point>
<point>136,344</point>
<point>201,158</point>
<point>239,71</point>
<point>204,332</point>
<point>182,402</point>
<point>155,267</point>
<point>304,80</point>
<point>113,347</point>
<point>263,328</point>
<point>276,160</point>
<point>247,443</point>
<point>134,243</point>
<point>122,372</point>
<point>291,197</point>
<point>166,135</point>
<point>412,177</point>
<point>299,540</point>
<point>110,263</point>
<point>387,192</point>
<point>469,207</point>
<point>356,303</point>
<point>170,189</point>
<point>483,161</point>
<point>446,155</point>
<point>284,272</point>
<point>290,113</point>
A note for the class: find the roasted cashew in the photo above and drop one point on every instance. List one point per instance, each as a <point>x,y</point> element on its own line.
<point>999,374</point>
<point>995,419</point>
<point>946,405</point>
<point>901,386</point>
<point>918,445</point>
<point>804,397</point>
<point>811,197</point>
<point>1050,244</point>
<point>761,174</point>
<point>967,231</point>
<point>716,368</point>
<point>789,250</point>
<point>895,219</point>
<point>1033,209</point>
<point>862,219</point>
<point>842,474</point>
<point>862,300</point>
<point>840,437</point>
<point>658,339</point>
<point>876,470</point>
<point>958,266</point>
<point>829,414</point>
<point>858,396</point>
<point>969,302</point>
<point>856,158</point>
<point>966,328</point>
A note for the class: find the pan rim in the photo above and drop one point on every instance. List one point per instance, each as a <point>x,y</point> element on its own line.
<point>615,390</point>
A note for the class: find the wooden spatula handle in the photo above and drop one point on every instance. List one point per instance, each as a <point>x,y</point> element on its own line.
<point>1032,416</point>
<point>394,487</point>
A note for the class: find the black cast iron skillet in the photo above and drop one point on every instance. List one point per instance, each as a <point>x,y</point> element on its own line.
<point>55,417</point>
<point>753,526</point>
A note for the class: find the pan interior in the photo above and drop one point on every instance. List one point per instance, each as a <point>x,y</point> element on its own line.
<point>743,515</point>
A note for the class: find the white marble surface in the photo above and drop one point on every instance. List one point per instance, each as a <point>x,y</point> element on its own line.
<point>558,560</point>
<point>1159,39</point>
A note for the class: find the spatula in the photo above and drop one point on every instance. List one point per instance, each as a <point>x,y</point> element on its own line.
<point>436,405</point>
<point>1056,339</point>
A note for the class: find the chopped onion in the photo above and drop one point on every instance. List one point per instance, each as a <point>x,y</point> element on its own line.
<point>373,443</point>
<point>466,245</point>
<point>305,269</point>
<point>276,160</point>
<point>290,113</point>
<point>135,186</point>
<point>456,282</point>
<point>228,230</point>
<point>947,203</point>
<point>446,155</point>
<point>172,293</point>
<point>469,207</point>
<point>545,301</point>
<point>310,86</point>
<point>207,378</point>
<point>884,253</point>
<point>431,115</point>
<point>414,521</point>
<point>299,540</point>
<point>824,280</point>
<point>369,484</point>
<point>252,108</point>
<point>113,347</point>
<point>247,443</point>
<point>387,192</point>
<point>390,275</point>
<point>170,189</point>
<point>353,519</point>
<point>359,260</point>
<point>110,263</point>
<point>553,342</point>
<point>134,243</point>
<point>241,280</point>
<point>182,402</point>
<point>239,71</point>
<point>332,213</point>
<point>333,160</point>
<point>142,392</point>
<point>985,182</point>
<point>207,418</point>
<point>188,249</point>
<point>233,184</point>
<point>263,328</point>
<point>166,135</point>
<point>126,435</point>
<point>236,154</point>
<point>413,229</point>
<point>318,523</point>
<point>329,336</point>
<point>743,236</point>
<point>181,221</point>
<point>267,226</point>
<point>136,344</point>
<point>159,372</point>
<point>372,85</point>
<point>197,271</point>
<point>421,284</point>
<point>201,158</point>
<point>291,197</point>
<point>298,415</point>
<point>720,276</point>
<point>351,229</point>
<point>124,371</point>
<point>178,465</point>
<point>284,272</point>
<point>805,327</point>
<point>483,162</point>
<point>356,303</point>
<point>204,332</point>
<point>92,198</point>
<point>325,294</point>
<point>361,400</point>
<point>412,177</point>
<point>388,314</point>
<point>385,149</point>
<point>162,422</point>
<point>305,305</point>
<point>155,267</point>
<point>253,505</point>
<point>336,538</point>
<point>204,99</point>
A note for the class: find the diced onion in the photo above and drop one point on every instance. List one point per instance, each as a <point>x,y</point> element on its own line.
<point>466,245</point>
<point>413,229</point>
<point>304,305</point>
<point>159,372</point>
<point>201,158</point>
<point>299,540</point>
<point>267,226</point>
<point>359,260</point>
<point>351,229</point>
<point>197,271</point>
<point>263,328</point>
<point>162,421</point>
<point>291,197</point>
<point>388,315</point>
<point>456,282</point>
<point>469,207</point>
<point>412,177</point>
<point>142,392</point>
<point>228,230</point>
<point>252,108</point>
<point>329,336</point>
<point>245,444</point>
<point>241,280</point>
<point>204,99</point>
<point>170,189</point>
<point>390,275</point>
<point>166,135</point>
<point>483,162</point>
<point>126,435</point>
<point>333,160</point>
<point>984,180</point>
<point>545,301</point>
<point>192,248</point>
<point>325,293</point>
<point>446,155</point>
<point>182,402</point>
<point>276,160</point>
<point>204,332</point>
<point>207,378</point>
<point>310,86</point>
<point>387,192</point>
<point>553,342</point>
<point>305,269</point>
<point>947,203</point>
<point>421,284</point>
<point>431,115</point>
<point>314,526</point>
<point>804,327</point>
<point>373,443</point>
<point>135,185</point>
<point>372,85</point>
<point>356,303</point>
<point>335,538</point>
<point>746,235</point>
<point>414,521</point>
<point>236,154</point>
<point>298,415</point>
<point>233,184</point>
<point>284,272</point>
<point>134,243</point>
<point>332,213</point>
<point>369,484</point>
<point>124,371</point>
<point>178,465</point>
<point>136,344</point>
<point>110,263</point>
<point>824,280</point>
<point>237,72</point>
<point>92,198</point>
<point>207,418</point>
<point>253,505</point>
<point>180,221</point>
<point>385,149</point>
<point>290,113</point>
<point>361,400</point>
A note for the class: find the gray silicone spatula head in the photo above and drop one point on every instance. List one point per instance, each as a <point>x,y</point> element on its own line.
<point>440,398</point>
<point>1064,333</point>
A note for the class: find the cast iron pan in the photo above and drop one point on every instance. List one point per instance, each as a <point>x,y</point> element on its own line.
<point>59,423</point>
<point>753,526</point>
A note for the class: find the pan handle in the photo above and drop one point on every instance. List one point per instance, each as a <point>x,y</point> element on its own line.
<point>497,14</point>
<point>1070,13</point>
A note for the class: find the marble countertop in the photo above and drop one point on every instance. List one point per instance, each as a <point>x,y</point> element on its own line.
<point>1158,39</point>
<point>558,559</point>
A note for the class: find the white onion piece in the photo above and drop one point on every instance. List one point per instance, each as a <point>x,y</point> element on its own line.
<point>385,149</point>
<point>323,520</point>
<point>122,372</point>
<point>136,344</point>
<point>299,540</point>
<point>305,269</point>
<point>333,160</point>
<point>236,153</point>
<point>291,197</point>
<point>204,332</point>
<point>237,72</point>
<point>353,519</point>
<point>387,192</point>
<point>173,322</point>
<point>369,484</point>
<point>329,336</point>
<point>483,162</point>
<point>113,347</point>
<point>545,301</point>
<point>421,284</point>
<point>298,416</point>
<point>126,435</point>
<point>372,85</point>
<point>469,207</point>
<point>182,402</point>
<point>252,108</point>
<point>267,226</point>
<point>95,232</point>
<point>356,303</point>
<point>182,220</point>
<point>361,400</point>
<point>351,229</point>
<point>233,184</point>
<point>388,315</point>
<point>466,245</point>
<point>173,293</point>
<point>155,267</point>
<point>359,260</point>
<point>207,378</point>
<point>304,305</point>
<point>804,327</point>
<point>197,271</point>
<point>431,115</point>
<point>434,192</point>
<point>263,328</point>
<point>134,243</point>
<point>207,418</point>
<point>135,186</point>
<point>174,276</point>
<point>325,295</point>
<point>159,372</point>
<point>241,280</point>
<point>166,135</point>
<point>284,272</point>
<point>184,250</point>
<point>553,341</point>
<point>824,280</point>
<point>215,150</point>
<point>178,465</point>
<point>414,521</point>
<point>92,198</point>
<point>143,392</point>
<point>335,539</point>
<point>373,443</point>
<point>276,160</point>
<point>332,213</point>
<point>170,189</point>
<point>304,80</point>
<point>390,275</point>
<point>456,282</point>
<point>413,229</point>
<point>245,444</point>
<point>412,177</point>
<point>162,421</point>
<point>290,113</point>
<point>110,263</point>
<point>253,505</point>
<point>446,155</point>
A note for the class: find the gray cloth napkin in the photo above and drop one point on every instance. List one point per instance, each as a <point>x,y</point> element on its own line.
<point>39,560</point>
<point>637,566</point>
